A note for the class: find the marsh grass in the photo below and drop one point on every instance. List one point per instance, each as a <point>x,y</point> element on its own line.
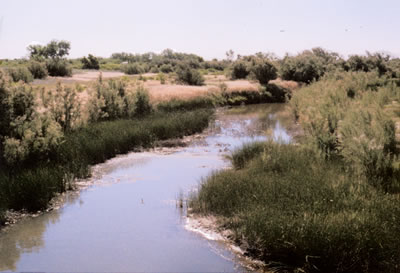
<point>301,213</point>
<point>32,187</point>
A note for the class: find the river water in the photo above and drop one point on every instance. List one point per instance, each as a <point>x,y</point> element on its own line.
<point>128,220</point>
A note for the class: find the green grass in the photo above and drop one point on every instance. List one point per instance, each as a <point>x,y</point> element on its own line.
<point>32,187</point>
<point>301,213</point>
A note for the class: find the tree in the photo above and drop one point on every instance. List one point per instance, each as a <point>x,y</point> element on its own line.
<point>54,49</point>
<point>54,54</point>
<point>230,55</point>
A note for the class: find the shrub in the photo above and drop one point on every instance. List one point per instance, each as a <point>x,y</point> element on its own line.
<point>166,68</point>
<point>109,100</point>
<point>310,65</point>
<point>239,70</point>
<point>264,71</point>
<point>161,77</point>
<point>154,69</point>
<point>344,116</point>
<point>357,63</point>
<point>58,67</point>
<point>302,68</point>
<point>189,76</point>
<point>91,62</point>
<point>64,106</point>
<point>38,69</point>
<point>132,69</point>
<point>20,74</point>
<point>142,102</point>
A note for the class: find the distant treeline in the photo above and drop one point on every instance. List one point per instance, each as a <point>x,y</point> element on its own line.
<point>305,67</point>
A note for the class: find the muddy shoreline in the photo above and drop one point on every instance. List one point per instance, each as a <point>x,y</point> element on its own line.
<point>210,228</point>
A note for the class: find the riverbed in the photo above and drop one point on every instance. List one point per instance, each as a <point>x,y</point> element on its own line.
<point>129,218</point>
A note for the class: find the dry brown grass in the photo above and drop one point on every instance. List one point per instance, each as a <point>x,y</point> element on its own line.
<point>158,92</point>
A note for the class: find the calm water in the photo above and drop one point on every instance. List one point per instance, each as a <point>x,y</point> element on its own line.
<point>127,221</point>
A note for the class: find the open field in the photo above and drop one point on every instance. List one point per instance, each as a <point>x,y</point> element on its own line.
<point>158,91</point>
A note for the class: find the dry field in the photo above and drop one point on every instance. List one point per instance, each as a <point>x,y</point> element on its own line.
<point>83,80</point>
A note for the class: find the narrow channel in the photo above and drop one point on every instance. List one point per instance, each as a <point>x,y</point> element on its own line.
<point>127,220</point>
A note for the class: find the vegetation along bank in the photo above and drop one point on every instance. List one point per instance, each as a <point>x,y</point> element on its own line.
<point>328,203</point>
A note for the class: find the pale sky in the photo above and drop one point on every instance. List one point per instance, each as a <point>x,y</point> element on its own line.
<point>205,27</point>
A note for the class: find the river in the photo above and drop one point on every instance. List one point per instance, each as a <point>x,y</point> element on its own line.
<point>127,219</point>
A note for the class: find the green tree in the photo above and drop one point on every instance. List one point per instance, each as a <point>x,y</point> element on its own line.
<point>54,49</point>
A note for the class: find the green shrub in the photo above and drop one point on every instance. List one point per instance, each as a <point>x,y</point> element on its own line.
<point>239,70</point>
<point>142,102</point>
<point>154,69</point>
<point>58,67</point>
<point>91,62</point>
<point>110,100</point>
<point>64,106</point>
<point>264,71</point>
<point>38,69</point>
<point>343,115</point>
<point>190,76</point>
<point>166,68</point>
<point>132,69</point>
<point>310,65</point>
<point>302,68</point>
<point>378,62</point>
<point>20,74</point>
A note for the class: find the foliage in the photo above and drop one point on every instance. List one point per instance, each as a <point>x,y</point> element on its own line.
<point>33,186</point>
<point>378,62</point>
<point>343,115</point>
<point>239,70</point>
<point>64,106</point>
<point>26,135</point>
<point>142,102</point>
<point>132,69</point>
<point>38,69</point>
<point>110,100</point>
<point>297,212</point>
<point>58,67</point>
<point>54,50</point>
<point>91,62</point>
<point>309,65</point>
<point>20,74</point>
<point>189,76</point>
<point>166,68</point>
<point>264,71</point>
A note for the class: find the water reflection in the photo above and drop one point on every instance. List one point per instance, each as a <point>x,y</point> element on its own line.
<point>27,236</point>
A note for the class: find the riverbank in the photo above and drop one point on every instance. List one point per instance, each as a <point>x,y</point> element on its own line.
<point>293,210</point>
<point>32,188</point>
<point>131,199</point>
<point>328,203</point>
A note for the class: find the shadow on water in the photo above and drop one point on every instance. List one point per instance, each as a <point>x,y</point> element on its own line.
<point>129,220</point>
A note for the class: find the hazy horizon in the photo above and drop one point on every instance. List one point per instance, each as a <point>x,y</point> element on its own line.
<point>206,28</point>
